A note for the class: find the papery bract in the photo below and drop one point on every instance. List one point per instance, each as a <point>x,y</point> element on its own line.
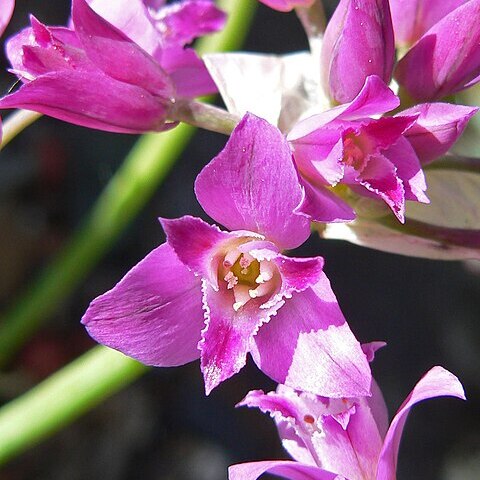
<point>340,438</point>
<point>96,75</point>
<point>446,59</point>
<point>282,310</point>
<point>358,42</point>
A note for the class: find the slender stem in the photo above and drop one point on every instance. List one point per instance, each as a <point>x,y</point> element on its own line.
<point>142,171</point>
<point>16,123</point>
<point>204,116</point>
<point>457,163</point>
<point>63,397</point>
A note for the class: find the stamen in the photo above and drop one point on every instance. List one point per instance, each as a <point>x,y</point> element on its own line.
<point>245,262</point>
<point>231,280</point>
<point>260,291</point>
<point>266,272</point>
<point>240,292</point>
<point>231,257</point>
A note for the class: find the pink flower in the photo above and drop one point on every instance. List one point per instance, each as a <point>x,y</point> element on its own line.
<point>345,438</point>
<point>119,73</point>
<point>219,295</point>
<point>286,5</point>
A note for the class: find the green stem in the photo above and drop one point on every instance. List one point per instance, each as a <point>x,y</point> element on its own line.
<point>16,123</point>
<point>143,170</point>
<point>63,397</point>
<point>204,116</point>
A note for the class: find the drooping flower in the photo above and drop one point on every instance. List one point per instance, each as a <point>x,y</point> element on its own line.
<point>218,295</point>
<point>345,438</point>
<point>120,73</point>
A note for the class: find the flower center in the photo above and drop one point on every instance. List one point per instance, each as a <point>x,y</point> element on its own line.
<point>247,277</point>
<point>353,152</point>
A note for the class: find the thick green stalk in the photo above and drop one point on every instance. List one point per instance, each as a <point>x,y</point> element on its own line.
<point>63,397</point>
<point>142,172</point>
<point>98,374</point>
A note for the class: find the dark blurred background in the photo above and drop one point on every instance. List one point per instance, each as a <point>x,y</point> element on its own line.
<point>163,426</point>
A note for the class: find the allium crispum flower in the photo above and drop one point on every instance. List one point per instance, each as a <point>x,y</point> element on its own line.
<point>120,73</point>
<point>219,295</point>
<point>333,439</point>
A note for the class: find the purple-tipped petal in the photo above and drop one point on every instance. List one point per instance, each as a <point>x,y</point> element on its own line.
<point>197,244</point>
<point>380,178</point>
<point>446,59</point>
<point>358,42</point>
<point>154,314</point>
<point>437,382</point>
<point>6,13</point>
<point>322,205</point>
<point>227,336</point>
<point>182,22</point>
<point>374,98</point>
<point>282,468</point>
<point>252,185</point>
<point>438,127</point>
<point>412,18</point>
<point>409,171</point>
<point>116,54</point>
<point>318,341</point>
<point>286,5</point>
<point>94,101</point>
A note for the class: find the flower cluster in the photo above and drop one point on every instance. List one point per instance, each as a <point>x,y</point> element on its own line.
<point>339,137</point>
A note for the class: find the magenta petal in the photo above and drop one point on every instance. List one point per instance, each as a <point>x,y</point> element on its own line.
<point>437,382</point>
<point>184,21</point>
<point>94,101</point>
<point>409,171</point>
<point>286,5</point>
<point>117,55</point>
<point>310,334</point>
<point>196,243</point>
<point>380,178</point>
<point>298,274</point>
<point>322,205</point>
<point>446,59</point>
<point>187,72</point>
<point>358,42</point>
<point>438,127</point>
<point>352,451</point>
<point>252,185</point>
<point>6,13</point>
<point>282,468</point>
<point>374,98</point>
<point>227,336</point>
<point>154,314</point>
<point>412,18</point>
